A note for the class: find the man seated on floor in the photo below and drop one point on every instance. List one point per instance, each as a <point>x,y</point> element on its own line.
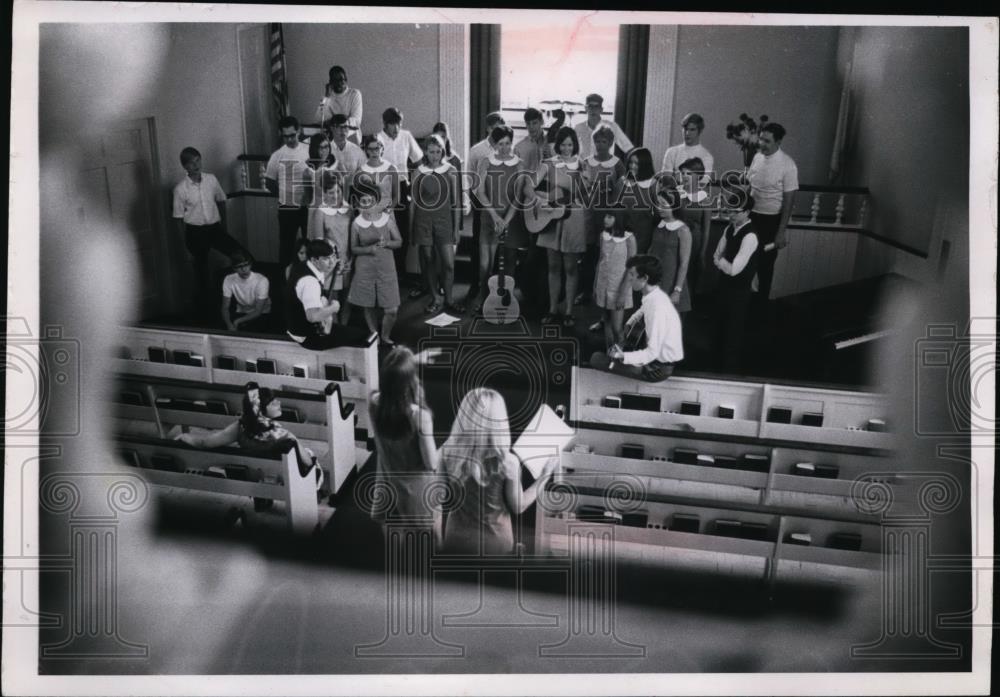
<point>251,290</point>
<point>309,312</point>
<point>653,342</point>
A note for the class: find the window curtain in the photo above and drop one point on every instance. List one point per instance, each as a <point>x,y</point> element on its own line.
<point>484,80</point>
<point>633,57</point>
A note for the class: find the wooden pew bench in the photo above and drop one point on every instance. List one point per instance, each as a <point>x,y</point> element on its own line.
<point>323,423</point>
<point>229,358</point>
<point>795,413</point>
<point>174,464</point>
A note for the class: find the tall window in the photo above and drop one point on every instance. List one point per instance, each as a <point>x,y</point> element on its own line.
<point>555,67</point>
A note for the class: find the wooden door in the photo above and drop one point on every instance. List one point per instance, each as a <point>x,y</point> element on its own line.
<point>119,185</point>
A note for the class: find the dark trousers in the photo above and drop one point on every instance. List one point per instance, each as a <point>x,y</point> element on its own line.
<point>340,335</point>
<point>732,308</point>
<point>199,240</point>
<point>291,223</point>
<point>402,212</point>
<point>766,227</point>
<point>258,325</point>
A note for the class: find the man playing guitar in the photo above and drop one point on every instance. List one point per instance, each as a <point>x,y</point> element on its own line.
<point>656,321</point>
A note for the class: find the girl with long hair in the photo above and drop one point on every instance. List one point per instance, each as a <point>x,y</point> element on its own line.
<point>478,455</point>
<point>407,460</point>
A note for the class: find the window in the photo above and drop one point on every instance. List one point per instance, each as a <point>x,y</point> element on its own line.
<point>556,66</point>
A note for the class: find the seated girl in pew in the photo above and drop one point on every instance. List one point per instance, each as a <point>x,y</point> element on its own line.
<point>478,455</point>
<point>257,430</point>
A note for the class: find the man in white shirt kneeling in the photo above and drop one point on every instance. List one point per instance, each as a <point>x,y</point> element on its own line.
<point>653,343</point>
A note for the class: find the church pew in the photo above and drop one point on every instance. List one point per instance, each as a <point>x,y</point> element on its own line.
<point>273,476</point>
<point>778,412</point>
<point>324,419</point>
<point>295,369</point>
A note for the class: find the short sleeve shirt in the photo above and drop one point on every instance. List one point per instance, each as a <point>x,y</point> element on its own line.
<point>287,166</point>
<point>770,178</point>
<point>247,291</point>
<point>195,202</point>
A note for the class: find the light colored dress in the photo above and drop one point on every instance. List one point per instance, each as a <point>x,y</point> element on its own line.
<point>374,282</point>
<point>564,183</point>
<point>481,524</point>
<point>335,224</point>
<point>666,246</point>
<point>611,270</point>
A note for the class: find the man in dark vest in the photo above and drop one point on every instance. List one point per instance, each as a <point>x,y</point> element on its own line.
<point>736,258</point>
<point>309,313</point>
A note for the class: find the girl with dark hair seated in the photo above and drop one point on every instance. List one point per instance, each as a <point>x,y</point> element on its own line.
<point>257,430</point>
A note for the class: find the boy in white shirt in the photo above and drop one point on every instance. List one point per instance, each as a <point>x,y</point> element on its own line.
<point>199,208</point>
<point>288,176</point>
<point>400,148</point>
<point>693,125</point>
<point>661,325</point>
<point>251,291</point>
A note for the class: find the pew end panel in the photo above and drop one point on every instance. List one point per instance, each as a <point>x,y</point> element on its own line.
<point>277,475</point>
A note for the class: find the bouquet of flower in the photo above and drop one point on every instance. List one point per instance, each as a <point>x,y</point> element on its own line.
<point>745,134</point>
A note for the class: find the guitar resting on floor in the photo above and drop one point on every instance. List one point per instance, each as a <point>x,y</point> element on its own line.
<point>501,307</point>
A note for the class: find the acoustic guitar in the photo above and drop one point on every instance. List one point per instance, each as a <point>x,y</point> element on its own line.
<point>544,212</point>
<point>501,307</point>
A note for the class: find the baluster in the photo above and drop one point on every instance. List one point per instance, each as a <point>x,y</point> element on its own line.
<point>244,175</point>
<point>840,210</point>
<point>814,211</point>
<point>261,175</point>
<point>863,212</point>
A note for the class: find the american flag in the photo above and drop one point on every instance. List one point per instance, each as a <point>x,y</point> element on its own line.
<point>279,85</point>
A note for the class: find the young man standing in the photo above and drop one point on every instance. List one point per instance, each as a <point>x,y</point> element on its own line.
<point>534,148</point>
<point>343,101</point>
<point>774,179</point>
<point>657,317</point>
<point>251,291</point>
<point>400,148</point>
<point>736,259</point>
<point>585,129</point>
<point>349,156</point>
<point>200,211</point>
<point>693,125</point>
<point>288,176</point>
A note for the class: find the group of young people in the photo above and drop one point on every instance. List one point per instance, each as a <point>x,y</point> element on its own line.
<point>566,207</point>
